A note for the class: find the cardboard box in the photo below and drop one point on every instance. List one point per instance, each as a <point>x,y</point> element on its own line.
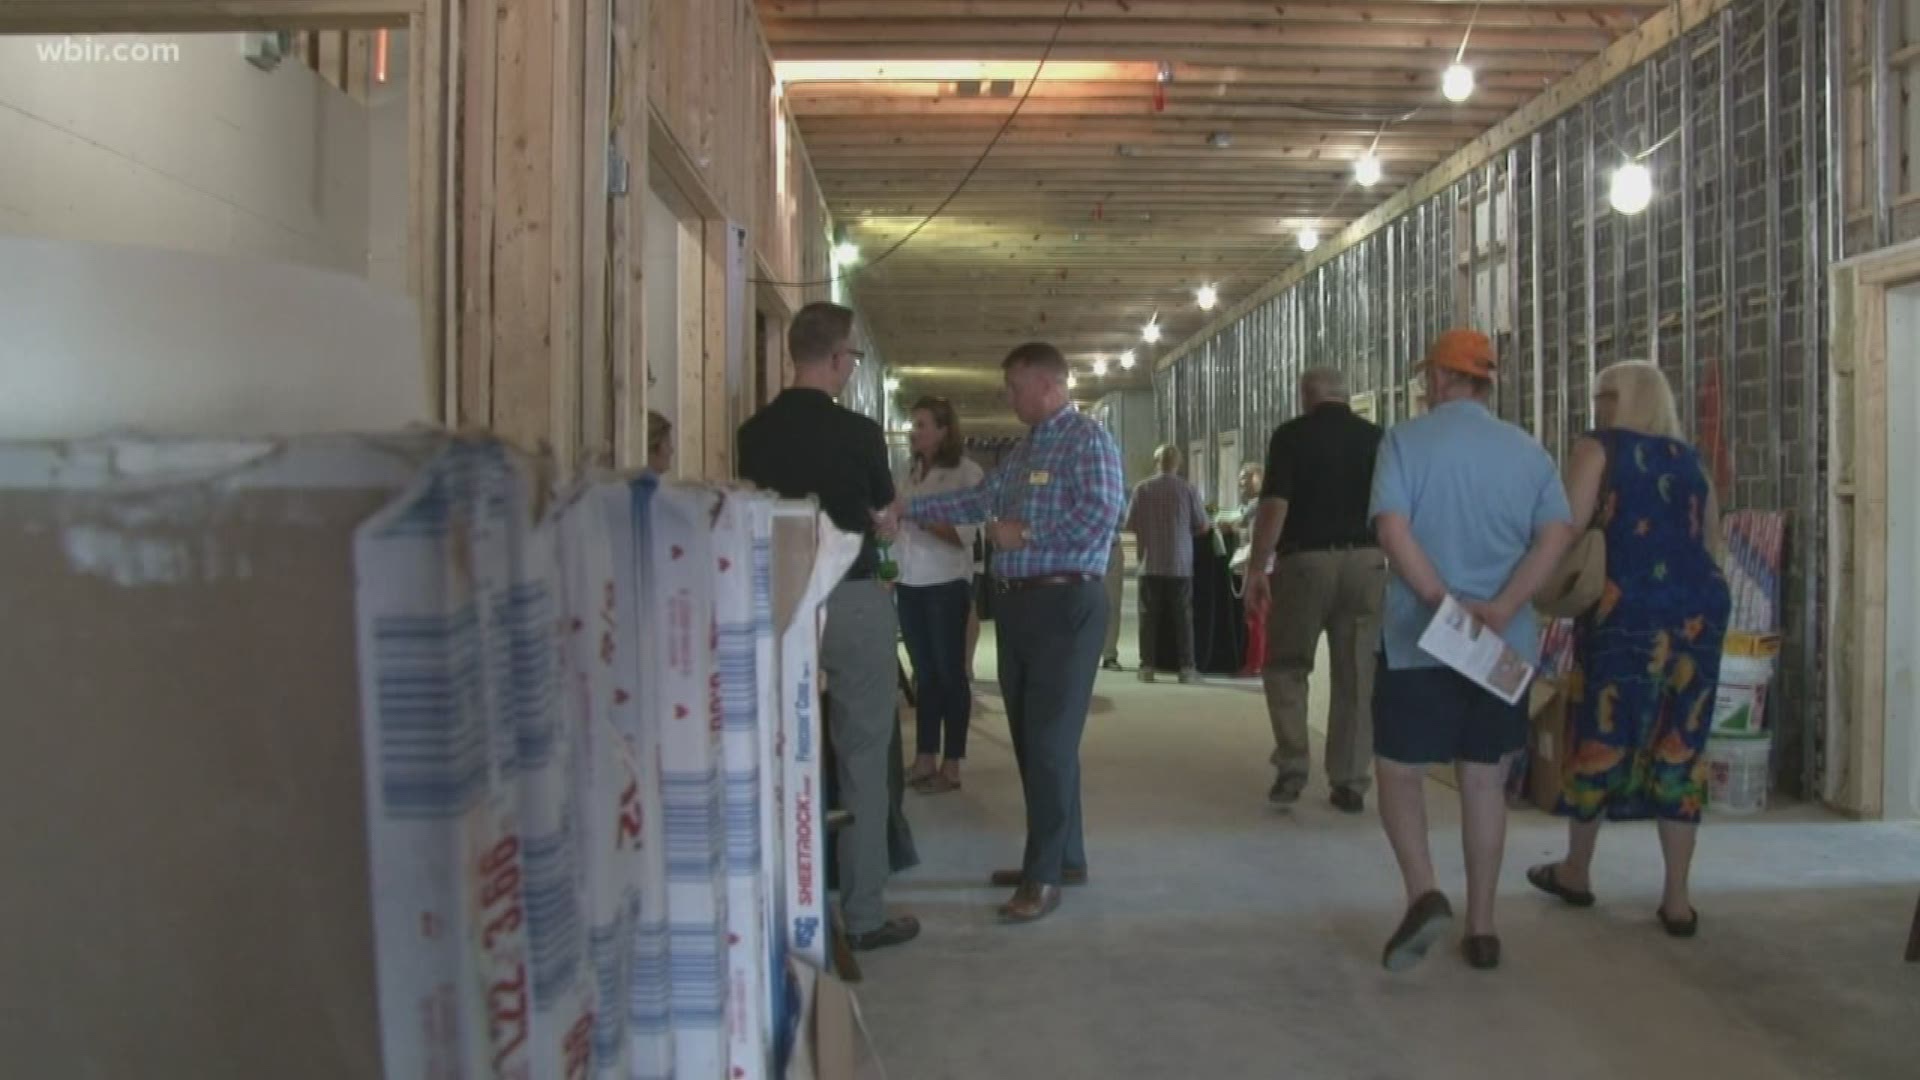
<point>1547,742</point>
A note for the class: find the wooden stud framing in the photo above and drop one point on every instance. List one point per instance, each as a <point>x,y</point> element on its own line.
<point>594,366</point>
<point>690,411</point>
<point>1857,550</point>
<point>631,122</point>
<point>477,218</point>
<point>567,184</point>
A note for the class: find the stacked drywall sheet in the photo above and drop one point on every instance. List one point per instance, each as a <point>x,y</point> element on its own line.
<point>593,859</point>
<point>363,757</point>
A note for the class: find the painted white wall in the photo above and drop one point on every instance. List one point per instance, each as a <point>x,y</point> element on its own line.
<point>1902,747</point>
<point>387,193</point>
<point>102,339</point>
<point>200,152</point>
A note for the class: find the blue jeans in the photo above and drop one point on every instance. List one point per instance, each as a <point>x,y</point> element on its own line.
<point>933,619</point>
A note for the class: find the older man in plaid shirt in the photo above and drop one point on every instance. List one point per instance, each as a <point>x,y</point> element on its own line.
<point>1052,509</point>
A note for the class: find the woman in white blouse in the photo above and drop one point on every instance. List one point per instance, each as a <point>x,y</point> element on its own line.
<point>936,593</point>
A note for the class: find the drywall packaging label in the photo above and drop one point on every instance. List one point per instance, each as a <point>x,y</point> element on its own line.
<point>748,1029</point>
<point>650,996</point>
<point>681,563</point>
<point>454,606</point>
<point>600,669</point>
<point>804,824</point>
<point>767,734</point>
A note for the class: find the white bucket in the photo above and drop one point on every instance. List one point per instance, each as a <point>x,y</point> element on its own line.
<point>1737,773</point>
<point>1740,702</point>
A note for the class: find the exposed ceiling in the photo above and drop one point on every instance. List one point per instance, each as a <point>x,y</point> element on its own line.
<point>1167,144</point>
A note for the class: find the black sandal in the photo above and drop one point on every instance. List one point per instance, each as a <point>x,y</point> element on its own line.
<point>1546,878</point>
<point>1680,928</point>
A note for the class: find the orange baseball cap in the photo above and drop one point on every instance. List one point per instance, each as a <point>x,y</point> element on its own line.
<point>1468,352</point>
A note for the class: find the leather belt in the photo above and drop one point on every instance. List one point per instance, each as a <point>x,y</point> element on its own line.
<point>1020,584</point>
<point>1357,545</point>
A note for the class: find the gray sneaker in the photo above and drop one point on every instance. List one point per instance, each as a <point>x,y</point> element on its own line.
<point>1189,678</point>
<point>1146,674</point>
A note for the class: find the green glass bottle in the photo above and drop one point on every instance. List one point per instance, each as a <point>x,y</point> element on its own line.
<point>889,569</point>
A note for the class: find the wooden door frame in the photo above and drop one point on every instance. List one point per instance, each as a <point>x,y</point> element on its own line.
<point>1857,548</point>
<point>719,334</point>
<point>429,24</point>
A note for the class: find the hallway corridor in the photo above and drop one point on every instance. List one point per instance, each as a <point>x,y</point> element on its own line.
<point>1221,939</point>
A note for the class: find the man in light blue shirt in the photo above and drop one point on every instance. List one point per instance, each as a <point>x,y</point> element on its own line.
<point>1466,506</point>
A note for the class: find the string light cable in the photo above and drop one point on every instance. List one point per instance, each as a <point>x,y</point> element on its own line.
<point>1046,54</point>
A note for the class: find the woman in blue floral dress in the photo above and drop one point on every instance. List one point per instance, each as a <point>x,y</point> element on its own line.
<point>1647,656</point>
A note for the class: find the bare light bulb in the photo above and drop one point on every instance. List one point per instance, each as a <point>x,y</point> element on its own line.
<point>1206,296</point>
<point>1072,380</point>
<point>1100,366</point>
<point>1366,171</point>
<point>1127,360</point>
<point>1150,333</point>
<point>1632,188</point>
<point>1457,84</point>
<point>1309,239</point>
<point>892,384</point>
<point>845,254</point>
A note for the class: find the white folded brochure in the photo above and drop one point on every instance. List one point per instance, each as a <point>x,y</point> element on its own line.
<point>1454,637</point>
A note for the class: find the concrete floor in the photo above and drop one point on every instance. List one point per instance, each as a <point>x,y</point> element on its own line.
<point>1221,938</point>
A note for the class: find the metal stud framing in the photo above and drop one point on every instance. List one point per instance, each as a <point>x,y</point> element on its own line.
<point>1693,256</point>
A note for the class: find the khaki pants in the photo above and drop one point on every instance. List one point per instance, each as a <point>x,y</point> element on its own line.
<point>1115,580</point>
<point>1339,593</point>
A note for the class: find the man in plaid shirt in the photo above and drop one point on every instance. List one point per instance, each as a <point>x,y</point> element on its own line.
<point>1052,509</point>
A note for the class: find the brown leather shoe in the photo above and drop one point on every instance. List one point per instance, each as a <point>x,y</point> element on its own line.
<point>1030,903</point>
<point>1013,879</point>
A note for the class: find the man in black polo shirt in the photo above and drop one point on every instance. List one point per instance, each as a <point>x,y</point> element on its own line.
<point>804,444</point>
<point>1329,577</point>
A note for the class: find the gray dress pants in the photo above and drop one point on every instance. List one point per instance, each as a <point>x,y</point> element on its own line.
<point>1049,648</point>
<point>858,657</point>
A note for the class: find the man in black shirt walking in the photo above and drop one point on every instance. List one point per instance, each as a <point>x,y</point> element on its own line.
<point>804,444</point>
<point>1330,577</point>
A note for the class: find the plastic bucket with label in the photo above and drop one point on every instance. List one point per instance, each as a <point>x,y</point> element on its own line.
<point>1739,770</point>
<point>1746,669</point>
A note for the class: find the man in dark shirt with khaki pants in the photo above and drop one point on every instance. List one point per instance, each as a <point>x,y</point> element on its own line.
<point>1329,577</point>
<point>804,444</point>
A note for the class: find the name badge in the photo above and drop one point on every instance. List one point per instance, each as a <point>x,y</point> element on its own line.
<point>1038,477</point>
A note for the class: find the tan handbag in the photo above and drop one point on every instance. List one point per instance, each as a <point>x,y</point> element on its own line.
<point>1578,582</point>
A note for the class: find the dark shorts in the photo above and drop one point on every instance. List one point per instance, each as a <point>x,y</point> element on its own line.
<point>1434,716</point>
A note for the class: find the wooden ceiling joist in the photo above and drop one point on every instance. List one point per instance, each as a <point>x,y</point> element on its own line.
<point>187,16</point>
<point>1164,144</point>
